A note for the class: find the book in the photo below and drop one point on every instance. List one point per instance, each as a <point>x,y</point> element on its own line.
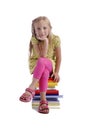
<point>51,83</point>
<point>50,107</point>
<point>48,96</point>
<point>48,99</point>
<point>50,91</point>
<point>51,104</point>
<point>53,96</point>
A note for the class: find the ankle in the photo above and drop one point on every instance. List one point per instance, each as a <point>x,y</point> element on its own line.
<point>43,99</point>
<point>32,87</point>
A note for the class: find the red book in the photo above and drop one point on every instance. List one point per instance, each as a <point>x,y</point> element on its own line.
<point>51,80</point>
<point>49,91</point>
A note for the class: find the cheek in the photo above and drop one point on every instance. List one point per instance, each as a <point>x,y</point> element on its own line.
<point>36,32</point>
<point>47,32</point>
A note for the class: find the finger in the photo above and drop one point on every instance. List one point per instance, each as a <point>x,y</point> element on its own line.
<point>52,76</point>
<point>55,78</point>
<point>58,79</point>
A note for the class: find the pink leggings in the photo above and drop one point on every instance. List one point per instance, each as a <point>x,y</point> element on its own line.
<point>42,72</point>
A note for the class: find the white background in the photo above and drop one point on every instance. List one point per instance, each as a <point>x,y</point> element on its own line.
<point>69,21</point>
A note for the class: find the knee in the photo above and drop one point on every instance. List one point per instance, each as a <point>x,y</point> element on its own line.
<point>45,74</point>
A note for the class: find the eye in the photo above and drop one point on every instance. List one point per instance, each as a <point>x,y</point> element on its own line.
<point>38,28</point>
<point>44,28</point>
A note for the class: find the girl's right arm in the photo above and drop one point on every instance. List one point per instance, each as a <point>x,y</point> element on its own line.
<point>41,49</point>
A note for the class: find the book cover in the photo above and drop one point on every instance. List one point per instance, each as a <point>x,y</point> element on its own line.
<point>50,91</point>
<point>48,99</point>
<point>51,83</point>
<point>50,107</point>
<point>48,96</point>
<point>51,104</point>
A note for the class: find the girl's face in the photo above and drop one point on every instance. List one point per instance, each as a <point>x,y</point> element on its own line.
<point>41,29</point>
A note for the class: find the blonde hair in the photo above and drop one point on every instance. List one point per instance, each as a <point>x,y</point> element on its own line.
<point>36,20</point>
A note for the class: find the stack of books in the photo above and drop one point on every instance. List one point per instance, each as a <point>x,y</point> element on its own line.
<point>52,95</point>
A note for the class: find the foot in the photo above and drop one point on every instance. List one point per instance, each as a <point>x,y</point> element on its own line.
<point>43,107</point>
<point>28,95</point>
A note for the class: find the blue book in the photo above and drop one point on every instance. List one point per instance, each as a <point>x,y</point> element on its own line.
<point>50,96</point>
<point>48,99</point>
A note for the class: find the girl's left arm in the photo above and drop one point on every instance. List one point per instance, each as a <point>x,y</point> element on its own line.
<point>58,59</point>
<point>57,65</point>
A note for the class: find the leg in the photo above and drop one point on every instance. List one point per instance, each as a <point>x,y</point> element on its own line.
<point>43,107</point>
<point>41,72</point>
<point>43,84</point>
<point>30,92</point>
<point>42,63</point>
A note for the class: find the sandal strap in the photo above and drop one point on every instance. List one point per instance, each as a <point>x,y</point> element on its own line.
<point>43,102</point>
<point>30,91</point>
<point>43,107</point>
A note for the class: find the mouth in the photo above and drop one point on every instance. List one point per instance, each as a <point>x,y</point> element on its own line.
<point>43,36</point>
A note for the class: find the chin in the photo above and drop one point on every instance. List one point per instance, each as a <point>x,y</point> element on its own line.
<point>44,37</point>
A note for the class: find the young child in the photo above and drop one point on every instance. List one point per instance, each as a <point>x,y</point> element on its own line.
<point>44,60</point>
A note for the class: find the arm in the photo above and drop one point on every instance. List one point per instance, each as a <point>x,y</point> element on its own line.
<point>58,62</point>
<point>58,59</point>
<point>41,49</point>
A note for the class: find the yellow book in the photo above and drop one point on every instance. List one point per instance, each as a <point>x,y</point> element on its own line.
<point>36,103</point>
<point>51,83</point>
<point>51,106</point>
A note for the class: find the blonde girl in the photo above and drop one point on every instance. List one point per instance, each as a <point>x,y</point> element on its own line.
<point>44,60</point>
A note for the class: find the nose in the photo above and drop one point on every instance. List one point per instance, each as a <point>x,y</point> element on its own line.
<point>42,31</point>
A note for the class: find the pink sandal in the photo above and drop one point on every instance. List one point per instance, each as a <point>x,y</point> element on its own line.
<point>27,98</point>
<point>43,107</point>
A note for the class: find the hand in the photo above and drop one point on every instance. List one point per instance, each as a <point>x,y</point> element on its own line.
<point>42,38</point>
<point>56,77</point>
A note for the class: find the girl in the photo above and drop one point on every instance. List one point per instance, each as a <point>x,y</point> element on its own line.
<point>44,60</point>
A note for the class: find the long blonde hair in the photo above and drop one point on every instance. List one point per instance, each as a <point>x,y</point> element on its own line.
<point>38,19</point>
